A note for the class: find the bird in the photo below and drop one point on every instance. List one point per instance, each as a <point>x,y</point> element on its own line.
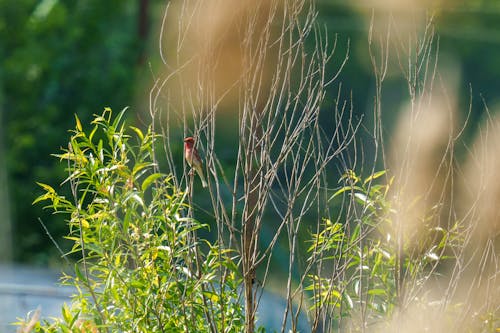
<point>193,158</point>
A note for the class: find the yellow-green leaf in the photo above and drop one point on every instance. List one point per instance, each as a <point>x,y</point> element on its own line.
<point>138,132</point>
<point>149,180</point>
<point>78,124</point>
<point>66,313</point>
<point>375,176</point>
<point>46,187</point>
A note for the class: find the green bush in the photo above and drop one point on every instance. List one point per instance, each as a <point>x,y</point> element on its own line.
<point>142,266</point>
<point>363,269</point>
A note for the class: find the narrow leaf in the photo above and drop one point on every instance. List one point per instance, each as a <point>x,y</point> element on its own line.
<point>78,124</point>
<point>375,176</point>
<point>150,179</point>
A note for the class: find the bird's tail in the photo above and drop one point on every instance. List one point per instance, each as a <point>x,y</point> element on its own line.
<point>202,177</point>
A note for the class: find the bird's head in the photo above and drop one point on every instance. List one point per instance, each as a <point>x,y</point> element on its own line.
<point>189,141</point>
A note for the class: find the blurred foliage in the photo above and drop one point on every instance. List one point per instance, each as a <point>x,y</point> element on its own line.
<point>357,265</point>
<point>57,59</point>
<point>362,269</point>
<point>60,57</point>
<point>468,33</point>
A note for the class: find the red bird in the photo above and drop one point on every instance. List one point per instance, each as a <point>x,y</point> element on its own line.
<point>193,158</point>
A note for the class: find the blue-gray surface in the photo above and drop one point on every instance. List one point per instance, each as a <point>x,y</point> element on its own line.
<point>24,289</point>
<point>270,314</point>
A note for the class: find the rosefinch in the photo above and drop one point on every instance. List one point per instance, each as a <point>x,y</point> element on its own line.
<point>193,158</point>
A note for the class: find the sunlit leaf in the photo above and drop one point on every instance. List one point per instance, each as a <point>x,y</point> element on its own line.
<point>66,314</point>
<point>375,292</point>
<point>149,180</point>
<point>344,189</point>
<point>374,176</point>
<point>138,132</point>
<point>362,197</point>
<point>78,124</point>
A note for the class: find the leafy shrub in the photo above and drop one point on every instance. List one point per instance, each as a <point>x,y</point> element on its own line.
<point>142,266</point>
<point>363,266</point>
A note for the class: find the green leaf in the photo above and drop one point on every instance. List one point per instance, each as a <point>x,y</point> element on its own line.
<point>75,317</point>
<point>43,197</point>
<point>135,197</point>
<point>138,132</point>
<point>119,117</point>
<point>91,135</point>
<point>375,292</point>
<point>350,175</point>
<point>375,176</point>
<point>344,189</point>
<point>141,166</point>
<point>78,124</point>
<point>362,197</point>
<point>46,187</point>
<point>100,151</point>
<point>348,298</point>
<point>149,180</point>
<point>66,313</point>
<point>126,220</point>
<point>79,274</point>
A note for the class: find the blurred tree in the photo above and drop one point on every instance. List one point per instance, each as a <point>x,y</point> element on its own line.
<point>5,221</point>
<point>61,57</point>
<point>468,34</point>
<point>57,59</point>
